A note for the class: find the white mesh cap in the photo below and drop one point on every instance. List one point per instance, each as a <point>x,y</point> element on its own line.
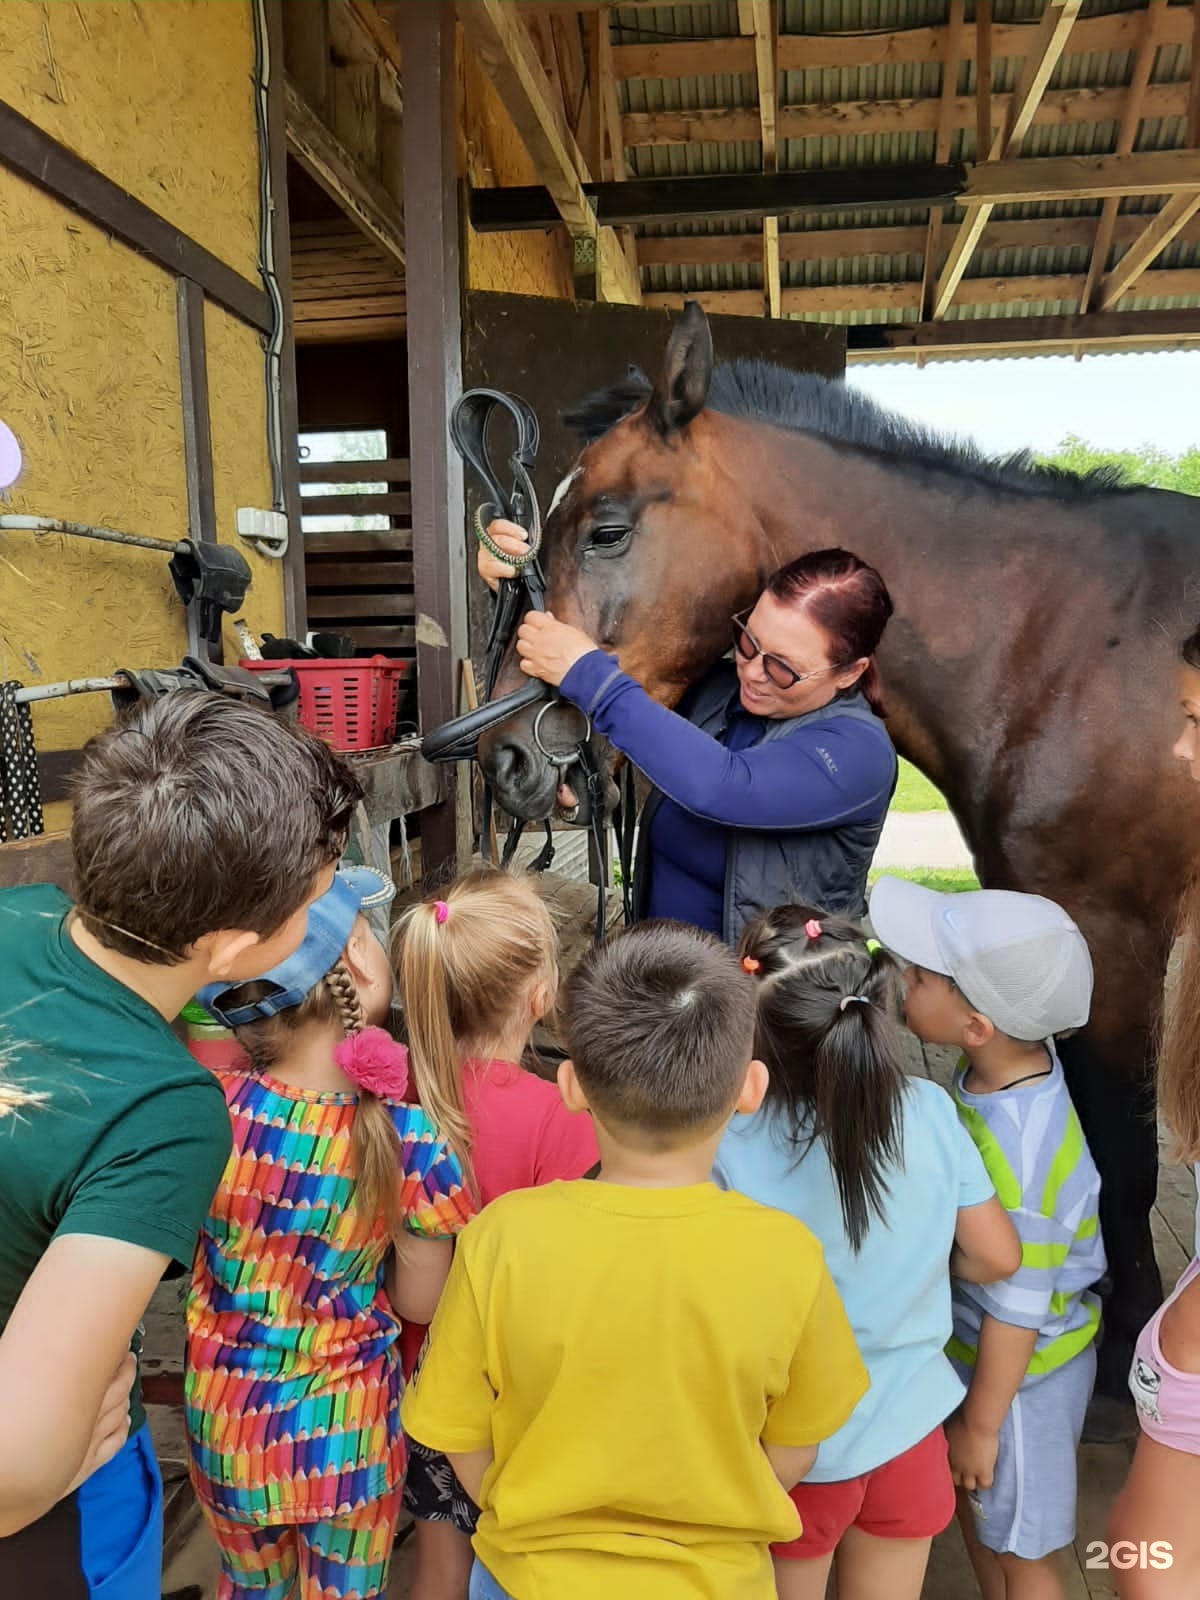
<point>1019,959</point>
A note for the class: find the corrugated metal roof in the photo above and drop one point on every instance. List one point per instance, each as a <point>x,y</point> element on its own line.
<point>1083,80</point>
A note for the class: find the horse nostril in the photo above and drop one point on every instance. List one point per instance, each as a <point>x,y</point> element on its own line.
<point>509,763</point>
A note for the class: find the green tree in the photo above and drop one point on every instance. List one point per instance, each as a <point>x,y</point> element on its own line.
<point>1147,464</point>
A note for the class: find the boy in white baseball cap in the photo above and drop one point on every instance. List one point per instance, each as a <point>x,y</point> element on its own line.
<point>999,974</point>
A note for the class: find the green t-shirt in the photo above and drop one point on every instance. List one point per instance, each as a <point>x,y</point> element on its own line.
<point>132,1137</point>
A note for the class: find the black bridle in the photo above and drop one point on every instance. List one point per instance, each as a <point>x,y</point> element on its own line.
<point>458,739</point>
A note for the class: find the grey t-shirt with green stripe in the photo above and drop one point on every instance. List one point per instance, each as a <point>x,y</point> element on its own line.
<point>1036,1156</point>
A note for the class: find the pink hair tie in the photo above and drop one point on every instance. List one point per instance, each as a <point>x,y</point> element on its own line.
<point>440,910</point>
<point>812,928</point>
<point>375,1062</point>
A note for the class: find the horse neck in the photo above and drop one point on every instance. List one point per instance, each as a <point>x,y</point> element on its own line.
<point>809,494</point>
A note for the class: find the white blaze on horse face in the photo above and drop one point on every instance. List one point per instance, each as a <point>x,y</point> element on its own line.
<point>560,494</point>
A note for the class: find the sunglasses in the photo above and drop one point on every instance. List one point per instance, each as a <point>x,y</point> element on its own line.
<point>775,667</point>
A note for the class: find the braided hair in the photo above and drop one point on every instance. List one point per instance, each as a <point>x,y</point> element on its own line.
<point>828,1028</point>
<point>375,1148</point>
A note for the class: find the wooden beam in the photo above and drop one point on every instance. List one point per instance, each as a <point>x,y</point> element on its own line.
<point>51,167</point>
<point>501,41</point>
<point>848,119</point>
<point>952,55</point>
<point>433,282</point>
<point>1052,34</point>
<point>983,78</point>
<point>1155,237</point>
<point>755,21</point>
<point>844,244</point>
<point>1008,336</point>
<point>285,494</point>
<point>832,299</point>
<point>932,255</point>
<point>1131,117</point>
<point>1192,131</point>
<point>361,196</point>
<point>1015,182</point>
<point>197,440</point>
<point>703,58</point>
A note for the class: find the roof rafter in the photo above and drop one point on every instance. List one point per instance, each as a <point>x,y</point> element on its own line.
<point>505,50</point>
<point>1053,31</point>
<point>1153,240</point>
<point>755,20</point>
<point>1131,117</point>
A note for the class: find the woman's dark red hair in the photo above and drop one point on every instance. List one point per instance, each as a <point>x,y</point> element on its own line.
<point>848,599</point>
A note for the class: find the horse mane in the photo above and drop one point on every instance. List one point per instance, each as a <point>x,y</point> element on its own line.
<point>828,407</point>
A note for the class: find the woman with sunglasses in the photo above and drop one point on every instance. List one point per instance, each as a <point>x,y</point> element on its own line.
<point>773,775</point>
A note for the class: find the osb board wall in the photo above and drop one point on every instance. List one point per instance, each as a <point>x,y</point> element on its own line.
<point>512,263</point>
<point>89,367</point>
<point>158,96</point>
<point>237,403</point>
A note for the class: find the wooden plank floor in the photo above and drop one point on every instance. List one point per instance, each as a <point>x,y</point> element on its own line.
<point>191,1565</point>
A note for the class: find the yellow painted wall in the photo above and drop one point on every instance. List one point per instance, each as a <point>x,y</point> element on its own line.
<point>509,263</point>
<point>159,97</point>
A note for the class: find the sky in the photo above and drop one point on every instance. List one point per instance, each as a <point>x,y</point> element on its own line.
<point>1116,402</point>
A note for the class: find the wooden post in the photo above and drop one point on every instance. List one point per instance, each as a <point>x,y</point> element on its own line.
<point>433,284</point>
<point>295,600</point>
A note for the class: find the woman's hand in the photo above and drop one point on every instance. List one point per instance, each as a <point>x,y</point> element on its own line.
<point>548,648</point>
<point>509,537</point>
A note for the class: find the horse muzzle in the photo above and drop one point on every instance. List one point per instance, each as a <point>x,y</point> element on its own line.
<point>533,763</point>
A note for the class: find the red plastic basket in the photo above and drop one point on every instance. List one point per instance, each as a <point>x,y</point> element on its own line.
<point>351,704</point>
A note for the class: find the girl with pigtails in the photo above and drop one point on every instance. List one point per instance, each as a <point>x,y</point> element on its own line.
<point>475,972</point>
<point>332,1224</point>
<point>877,1165</point>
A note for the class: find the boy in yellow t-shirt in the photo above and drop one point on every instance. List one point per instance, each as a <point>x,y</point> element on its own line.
<point>629,1374</point>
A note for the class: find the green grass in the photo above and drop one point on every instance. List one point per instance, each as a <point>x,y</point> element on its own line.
<point>914,792</point>
<point>943,880</point>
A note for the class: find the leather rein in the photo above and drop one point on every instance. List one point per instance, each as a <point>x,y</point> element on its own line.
<point>458,739</point>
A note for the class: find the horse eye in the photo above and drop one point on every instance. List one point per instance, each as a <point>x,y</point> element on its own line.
<point>609,534</point>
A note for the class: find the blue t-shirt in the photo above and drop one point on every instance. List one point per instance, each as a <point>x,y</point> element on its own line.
<point>896,1290</point>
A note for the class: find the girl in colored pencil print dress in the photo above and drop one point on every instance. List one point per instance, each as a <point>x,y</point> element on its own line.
<point>333,1222</point>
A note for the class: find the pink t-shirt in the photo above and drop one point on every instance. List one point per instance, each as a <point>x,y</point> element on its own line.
<point>521,1133</point>
<point>521,1137</point>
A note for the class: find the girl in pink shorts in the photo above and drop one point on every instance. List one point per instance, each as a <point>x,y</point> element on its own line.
<point>1154,1520</point>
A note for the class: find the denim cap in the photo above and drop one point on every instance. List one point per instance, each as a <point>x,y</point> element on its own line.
<point>330,920</point>
<point>1018,958</point>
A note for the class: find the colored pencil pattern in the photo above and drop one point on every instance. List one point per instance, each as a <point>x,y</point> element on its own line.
<point>293,1381</point>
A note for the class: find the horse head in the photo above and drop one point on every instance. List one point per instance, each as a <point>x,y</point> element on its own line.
<point>643,549</point>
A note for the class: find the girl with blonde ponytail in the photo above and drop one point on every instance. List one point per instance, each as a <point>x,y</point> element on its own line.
<point>879,1167</point>
<point>332,1223</point>
<point>476,970</point>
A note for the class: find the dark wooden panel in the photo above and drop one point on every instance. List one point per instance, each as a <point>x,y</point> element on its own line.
<point>55,768</point>
<point>354,574</point>
<point>339,607</point>
<point>44,860</point>
<point>361,386</point>
<point>383,638</point>
<point>358,541</point>
<point>60,172</point>
<point>357,505</point>
<point>354,471</point>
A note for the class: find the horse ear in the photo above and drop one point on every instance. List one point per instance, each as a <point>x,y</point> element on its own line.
<point>682,386</point>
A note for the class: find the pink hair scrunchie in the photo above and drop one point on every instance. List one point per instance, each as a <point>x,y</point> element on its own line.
<point>440,911</point>
<point>375,1062</point>
<point>812,928</point>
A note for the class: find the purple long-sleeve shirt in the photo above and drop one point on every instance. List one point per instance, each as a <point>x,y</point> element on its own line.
<point>823,775</point>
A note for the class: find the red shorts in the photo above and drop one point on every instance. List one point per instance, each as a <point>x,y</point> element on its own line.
<point>909,1497</point>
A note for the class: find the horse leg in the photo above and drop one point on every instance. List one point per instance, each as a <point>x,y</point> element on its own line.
<point>1116,1110</point>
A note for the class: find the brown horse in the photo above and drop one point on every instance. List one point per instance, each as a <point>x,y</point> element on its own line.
<point>1029,668</point>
